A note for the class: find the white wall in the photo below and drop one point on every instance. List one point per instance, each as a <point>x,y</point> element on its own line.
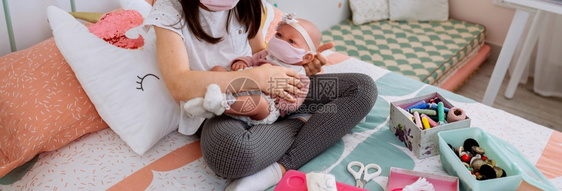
<point>31,27</point>
<point>29,19</point>
<point>323,13</point>
<point>495,18</point>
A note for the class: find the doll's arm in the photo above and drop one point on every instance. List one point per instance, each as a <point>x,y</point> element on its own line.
<point>240,63</point>
<point>248,61</point>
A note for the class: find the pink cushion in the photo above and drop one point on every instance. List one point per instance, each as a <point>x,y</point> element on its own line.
<point>42,105</point>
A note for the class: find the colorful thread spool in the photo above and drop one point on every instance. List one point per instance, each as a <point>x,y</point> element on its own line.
<point>435,107</point>
<point>415,105</point>
<point>431,122</point>
<point>417,119</point>
<point>456,114</point>
<point>441,113</point>
<point>424,111</point>
<point>425,123</point>
<point>421,106</point>
<point>433,117</point>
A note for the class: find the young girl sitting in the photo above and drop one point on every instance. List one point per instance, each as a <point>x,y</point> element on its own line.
<point>294,44</point>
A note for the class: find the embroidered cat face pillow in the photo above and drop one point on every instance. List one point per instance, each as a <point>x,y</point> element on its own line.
<point>124,84</point>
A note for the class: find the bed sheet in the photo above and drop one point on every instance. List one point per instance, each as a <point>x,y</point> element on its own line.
<point>102,161</point>
<point>427,51</point>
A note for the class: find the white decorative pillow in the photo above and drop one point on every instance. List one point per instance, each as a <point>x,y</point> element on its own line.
<point>125,85</point>
<point>364,11</point>
<point>419,10</point>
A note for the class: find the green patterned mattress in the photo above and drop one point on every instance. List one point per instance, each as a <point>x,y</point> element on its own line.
<point>426,51</point>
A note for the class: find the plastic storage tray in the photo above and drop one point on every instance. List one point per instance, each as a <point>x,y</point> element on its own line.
<point>452,164</point>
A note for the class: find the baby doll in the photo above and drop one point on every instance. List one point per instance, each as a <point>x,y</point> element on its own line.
<point>293,45</point>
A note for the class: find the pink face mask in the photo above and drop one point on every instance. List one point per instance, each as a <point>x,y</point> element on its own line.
<point>283,51</point>
<point>219,5</point>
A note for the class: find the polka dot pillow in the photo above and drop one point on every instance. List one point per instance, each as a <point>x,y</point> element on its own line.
<point>364,11</point>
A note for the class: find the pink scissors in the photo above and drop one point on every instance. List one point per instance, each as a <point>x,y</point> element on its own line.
<point>363,170</point>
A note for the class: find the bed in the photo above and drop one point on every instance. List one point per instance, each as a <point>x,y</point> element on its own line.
<point>439,53</point>
<point>101,159</point>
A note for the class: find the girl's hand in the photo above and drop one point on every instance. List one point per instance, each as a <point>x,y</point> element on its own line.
<point>278,82</point>
<point>319,60</point>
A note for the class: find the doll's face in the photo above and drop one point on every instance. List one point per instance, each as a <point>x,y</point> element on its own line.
<point>292,36</point>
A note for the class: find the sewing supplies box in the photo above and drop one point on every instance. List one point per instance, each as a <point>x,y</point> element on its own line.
<point>453,165</point>
<point>423,143</point>
<point>400,178</point>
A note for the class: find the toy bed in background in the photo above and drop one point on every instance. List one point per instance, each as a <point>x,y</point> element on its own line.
<point>102,160</point>
<point>443,54</point>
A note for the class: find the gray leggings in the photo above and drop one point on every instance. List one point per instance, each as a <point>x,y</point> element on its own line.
<point>232,149</point>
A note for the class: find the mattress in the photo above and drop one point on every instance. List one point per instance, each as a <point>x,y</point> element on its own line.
<point>426,51</point>
<point>102,161</point>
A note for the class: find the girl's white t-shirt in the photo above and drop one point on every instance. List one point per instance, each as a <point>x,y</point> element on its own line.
<point>202,55</point>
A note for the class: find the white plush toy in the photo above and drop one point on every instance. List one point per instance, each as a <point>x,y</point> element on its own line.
<point>214,103</point>
<point>194,108</point>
